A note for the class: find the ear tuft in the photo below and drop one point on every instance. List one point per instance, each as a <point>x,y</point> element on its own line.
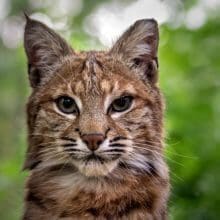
<point>44,49</point>
<point>138,46</point>
<point>26,16</point>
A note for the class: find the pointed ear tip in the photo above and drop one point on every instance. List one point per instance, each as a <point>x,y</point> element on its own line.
<point>27,19</point>
<point>26,15</point>
<point>147,21</point>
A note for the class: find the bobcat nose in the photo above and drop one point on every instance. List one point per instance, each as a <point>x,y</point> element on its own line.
<point>93,141</point>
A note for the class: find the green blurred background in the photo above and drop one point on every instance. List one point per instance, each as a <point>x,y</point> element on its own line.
<point>189,56</point>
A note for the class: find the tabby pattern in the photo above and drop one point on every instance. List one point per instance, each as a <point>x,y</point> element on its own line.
<point>95,128</point>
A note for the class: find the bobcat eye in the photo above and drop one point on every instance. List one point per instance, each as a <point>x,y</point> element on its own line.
<point>67,105</point>
<point>121,104</point>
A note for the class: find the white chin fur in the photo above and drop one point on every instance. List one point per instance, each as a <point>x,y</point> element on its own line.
<point>95,169</point>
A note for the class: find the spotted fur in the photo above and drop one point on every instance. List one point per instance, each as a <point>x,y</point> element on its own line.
<point>128,177</point>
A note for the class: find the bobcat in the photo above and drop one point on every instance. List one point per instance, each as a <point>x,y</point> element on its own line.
<point>95,128</point>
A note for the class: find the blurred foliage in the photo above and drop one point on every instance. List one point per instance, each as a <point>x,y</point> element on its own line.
<point>190,80</point>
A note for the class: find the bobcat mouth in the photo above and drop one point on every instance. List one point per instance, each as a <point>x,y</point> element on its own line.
<point>94,158</point>
<point>94,165</point>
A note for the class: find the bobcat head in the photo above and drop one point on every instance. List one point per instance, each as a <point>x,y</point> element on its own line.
<point>100,112</point>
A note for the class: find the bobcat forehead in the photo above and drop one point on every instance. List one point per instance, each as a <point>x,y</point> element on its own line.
<point>105,86</point>
<point>96,77</point>
<point>79,87</point>
<point>122,85</point>
<point>92,64</point>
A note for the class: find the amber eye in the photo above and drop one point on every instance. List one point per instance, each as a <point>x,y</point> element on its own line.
<point>121,104</point>
<point>67,105</point>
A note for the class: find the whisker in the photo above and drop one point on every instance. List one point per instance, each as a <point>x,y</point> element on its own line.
<point>148,168</point>
<point>117,145</point>
<point>69,145</point>
<point>118,138</point>
<point>169,151</point>
<point>145,165</point>
<point>42,134</point>
<point>50,147</point>
<point>45,144</point>
<point>68,139</point>
<point>113,150</point>
<point>50,156</point>
<point>181,155</point>
<point>61,138</point>
<point>45,150</point>
<point>48,152</point>
<point>146,141</point>
<point>144,147</point>
<point>157,153</point>
<point>72,150</point>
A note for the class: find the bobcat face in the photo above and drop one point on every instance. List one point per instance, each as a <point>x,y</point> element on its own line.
<point>98,111</point>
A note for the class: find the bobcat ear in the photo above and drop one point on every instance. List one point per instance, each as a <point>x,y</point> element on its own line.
<point>43,48</point>
<point>138,46</point>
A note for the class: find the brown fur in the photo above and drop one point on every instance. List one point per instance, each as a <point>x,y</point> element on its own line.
<point>135,185</point>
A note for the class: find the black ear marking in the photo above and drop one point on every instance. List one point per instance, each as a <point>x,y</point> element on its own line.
<point>137,62</point>
<point>149,68</point>
<point>151,71</point>
<point>34,76</point>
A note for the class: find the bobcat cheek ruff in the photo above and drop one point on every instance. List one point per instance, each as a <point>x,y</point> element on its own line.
<point>95,128</point>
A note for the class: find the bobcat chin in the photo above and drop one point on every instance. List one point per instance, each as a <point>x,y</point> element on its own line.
<point>95,128</point>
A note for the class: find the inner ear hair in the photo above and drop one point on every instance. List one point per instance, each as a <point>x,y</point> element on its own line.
<point>148,68</point>
<point>44,49</point>
<point>137,48</point>
<point>34,75</point>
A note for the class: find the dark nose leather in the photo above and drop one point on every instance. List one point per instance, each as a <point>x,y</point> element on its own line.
<point>93,141</point>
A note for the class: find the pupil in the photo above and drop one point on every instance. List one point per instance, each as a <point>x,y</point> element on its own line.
<point>121,102</point>
<point>67,103</point>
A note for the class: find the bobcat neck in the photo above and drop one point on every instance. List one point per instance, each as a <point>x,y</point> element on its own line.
<point>69,195</point>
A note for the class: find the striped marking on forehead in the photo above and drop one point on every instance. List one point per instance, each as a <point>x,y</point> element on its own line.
<point>119,85</point>
<point>105,86</point>
<point>79,87</point>
<point>93,66</point>
<point>91,74</point>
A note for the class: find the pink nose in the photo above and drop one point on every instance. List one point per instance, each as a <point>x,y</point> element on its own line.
<point>93,141</point>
